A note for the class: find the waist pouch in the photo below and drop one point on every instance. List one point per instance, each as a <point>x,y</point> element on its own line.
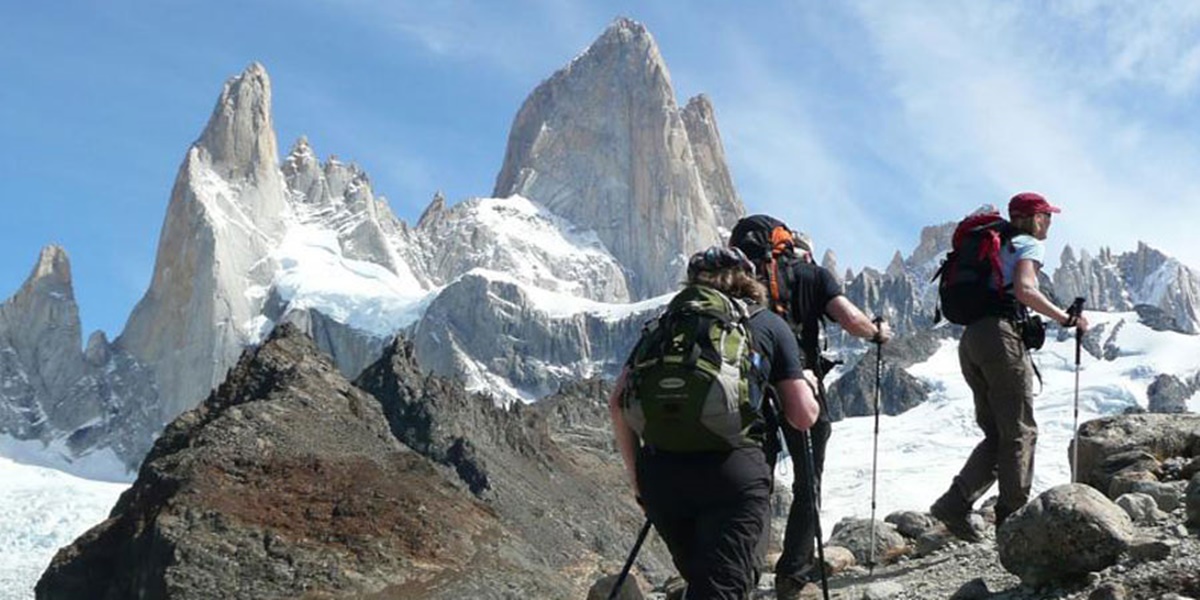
<point>1033,332</point>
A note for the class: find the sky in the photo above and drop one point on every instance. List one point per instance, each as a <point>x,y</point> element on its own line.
<point>859,122</point>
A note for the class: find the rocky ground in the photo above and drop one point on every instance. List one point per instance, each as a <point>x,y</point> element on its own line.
<point>973,571</point>
<point>966,571</point>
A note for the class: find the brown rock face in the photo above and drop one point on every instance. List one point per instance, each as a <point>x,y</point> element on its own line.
<point>290,482</point>
<point>285,481</point>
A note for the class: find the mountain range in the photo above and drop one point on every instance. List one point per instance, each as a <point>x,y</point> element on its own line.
<point>606,186</point>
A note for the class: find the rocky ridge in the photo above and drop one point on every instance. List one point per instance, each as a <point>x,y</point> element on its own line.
<point>288,481</point>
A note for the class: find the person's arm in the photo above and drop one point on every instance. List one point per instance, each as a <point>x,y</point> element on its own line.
<point>627,440</point>
<point>855,322</point>
<point>1025,287</point>
<point>799,401</point>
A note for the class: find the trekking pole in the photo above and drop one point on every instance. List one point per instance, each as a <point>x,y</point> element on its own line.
<point>1074,311</point>
<point>815,497</point>
<point>878,321</point>
<point>616,589</point>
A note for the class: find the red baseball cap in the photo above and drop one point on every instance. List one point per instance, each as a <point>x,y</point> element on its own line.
<point>1027,204</point>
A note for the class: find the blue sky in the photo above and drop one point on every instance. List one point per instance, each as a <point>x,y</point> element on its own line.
<point>858,121</point>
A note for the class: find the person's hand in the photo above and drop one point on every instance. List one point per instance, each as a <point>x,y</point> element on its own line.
<point>1081,323</point>
<point>812,380</point>
<point>883,334</point>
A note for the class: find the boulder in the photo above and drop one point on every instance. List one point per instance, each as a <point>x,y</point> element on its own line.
<point>976,589</point>
<point>1141,508</point>
<point>1129,478</point>
<point>855,535</point>
<point>1066,532</point>
<point>631,589</point>
<point>1156,435</point>
<point>838,559</point>
<point>1167,496</point>
<point>1109,590</point>
<point>909,523</point>
<point>1192,500</point>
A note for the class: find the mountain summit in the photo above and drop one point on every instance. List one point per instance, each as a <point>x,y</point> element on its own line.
<point>603,144</point>
<point>227,211</point>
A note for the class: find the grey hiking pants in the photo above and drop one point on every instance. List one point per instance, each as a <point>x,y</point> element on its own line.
<point>1000,373</point>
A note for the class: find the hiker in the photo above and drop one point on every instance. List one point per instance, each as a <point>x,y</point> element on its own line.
<point>993,356</point>
<point>707,491</point>
<point>803,293</point>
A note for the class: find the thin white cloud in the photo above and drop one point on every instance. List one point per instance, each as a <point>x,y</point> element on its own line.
<point>987,98</point>
<point>516,37</point>
<point>784,160</point>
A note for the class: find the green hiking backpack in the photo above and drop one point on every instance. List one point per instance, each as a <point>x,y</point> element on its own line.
<point>693,383</point>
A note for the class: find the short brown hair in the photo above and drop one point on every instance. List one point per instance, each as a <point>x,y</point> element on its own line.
<point>734,282</point>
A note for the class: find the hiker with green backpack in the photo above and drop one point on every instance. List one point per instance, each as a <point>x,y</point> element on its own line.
<point>804,294</point>
<point>687,413</point>
<point>989,283</point>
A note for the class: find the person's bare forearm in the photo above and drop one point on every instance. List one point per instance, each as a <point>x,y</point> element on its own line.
<point>799,400</point>
<point>855,321</point>
<point>626,438</point>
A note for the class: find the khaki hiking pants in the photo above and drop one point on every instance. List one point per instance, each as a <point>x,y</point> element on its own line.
<point>1000,373</point>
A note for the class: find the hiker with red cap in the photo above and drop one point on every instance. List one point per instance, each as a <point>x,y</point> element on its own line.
<point>993,356</point>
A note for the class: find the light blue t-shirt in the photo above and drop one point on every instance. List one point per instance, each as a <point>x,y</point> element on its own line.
<point>1023,246</point>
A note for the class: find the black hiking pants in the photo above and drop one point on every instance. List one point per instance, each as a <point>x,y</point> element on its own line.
<point>799,539</point>
<point>712,510</point>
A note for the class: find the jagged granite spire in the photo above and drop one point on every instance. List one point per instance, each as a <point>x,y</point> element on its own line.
<point>709,154</point>
<point>40,354</point>
<point>603,144</point>
<point>227,210</point>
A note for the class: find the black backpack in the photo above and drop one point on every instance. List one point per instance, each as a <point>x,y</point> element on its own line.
<point>970,281</point>
<point>770,245</point>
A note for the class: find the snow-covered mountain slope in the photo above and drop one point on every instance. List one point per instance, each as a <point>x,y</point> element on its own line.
<point>921,450</point>
<point>42,510</point>
<point>521,237</point>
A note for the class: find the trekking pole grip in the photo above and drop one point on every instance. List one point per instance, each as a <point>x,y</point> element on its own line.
<point>1073,313</point>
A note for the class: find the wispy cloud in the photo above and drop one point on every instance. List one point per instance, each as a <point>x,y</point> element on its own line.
<point>990,95</point>
<point>516,37</point>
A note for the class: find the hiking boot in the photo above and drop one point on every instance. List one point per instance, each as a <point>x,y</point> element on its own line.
<point>798,585</point>
<point>957,521</point>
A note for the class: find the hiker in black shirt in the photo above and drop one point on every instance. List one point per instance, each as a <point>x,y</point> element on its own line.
<point>713,508</point>
<point>810,293</point>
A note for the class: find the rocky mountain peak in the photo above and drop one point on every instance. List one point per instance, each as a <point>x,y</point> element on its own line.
<point>896,267</point>
<point>701,121</point>
<point>934,242</point>
<point>829,261</point>
<point>436,208</point>
<point>625,37</point>
<point>51,271</point>
<point>641,188</point>
<point>1068,255</point>
<point>240,137</point>
<point>228,210</point>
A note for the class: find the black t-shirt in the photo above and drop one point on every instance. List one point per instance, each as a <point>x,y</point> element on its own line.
<point>812,288</point>
<point>774,341</point>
